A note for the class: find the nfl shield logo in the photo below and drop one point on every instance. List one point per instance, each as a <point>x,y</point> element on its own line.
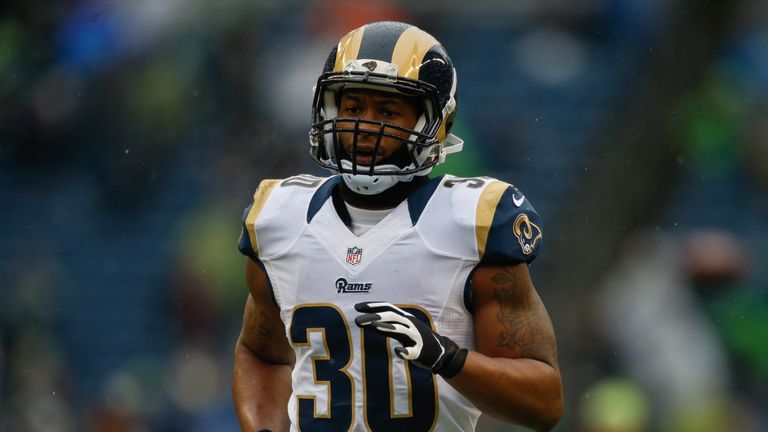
<point>354,255</point>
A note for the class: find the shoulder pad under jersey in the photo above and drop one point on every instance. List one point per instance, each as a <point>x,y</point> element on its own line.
<point>481,218</point>
<point>277,215</point>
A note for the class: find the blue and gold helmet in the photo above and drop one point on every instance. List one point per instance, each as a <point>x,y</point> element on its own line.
<point>394,57</point>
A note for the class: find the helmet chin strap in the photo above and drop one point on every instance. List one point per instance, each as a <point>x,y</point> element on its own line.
<point>365,184</point>
<point>389,198</point>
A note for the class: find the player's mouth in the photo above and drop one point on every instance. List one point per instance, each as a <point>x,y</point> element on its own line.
<point>366,157</point>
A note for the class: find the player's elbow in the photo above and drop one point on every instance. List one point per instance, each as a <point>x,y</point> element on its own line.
<point>550,416</point>
<point>541,411</point>
<point>551,410</point>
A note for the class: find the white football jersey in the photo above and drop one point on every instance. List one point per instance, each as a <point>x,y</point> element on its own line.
<point>419,257</point>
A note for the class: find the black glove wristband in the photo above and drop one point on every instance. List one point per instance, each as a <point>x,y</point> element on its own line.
<point>454,364</point>
<point>452,361</point>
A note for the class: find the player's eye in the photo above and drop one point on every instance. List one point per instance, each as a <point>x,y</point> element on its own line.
<point>353,110</point>
<point>390,114</point>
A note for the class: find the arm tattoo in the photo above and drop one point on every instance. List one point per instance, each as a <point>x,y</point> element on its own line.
<point>269,337</point>
<point>257,323</point>
<point>526,327</point>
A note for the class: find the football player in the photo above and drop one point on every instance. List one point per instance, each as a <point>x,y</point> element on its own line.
<point>382,299</point>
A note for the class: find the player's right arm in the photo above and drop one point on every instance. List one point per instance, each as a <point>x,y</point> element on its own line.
<point>261,379</point>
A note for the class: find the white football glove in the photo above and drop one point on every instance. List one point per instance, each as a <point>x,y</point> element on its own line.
<point>420,344</point>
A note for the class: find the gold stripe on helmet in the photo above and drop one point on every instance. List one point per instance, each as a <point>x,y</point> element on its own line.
<point>348,48</point>
<point>410,50</point>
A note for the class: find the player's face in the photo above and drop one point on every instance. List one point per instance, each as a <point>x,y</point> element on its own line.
<point>378,106</point>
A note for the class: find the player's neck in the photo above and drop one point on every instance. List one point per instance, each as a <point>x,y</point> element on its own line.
<point>390,198</point>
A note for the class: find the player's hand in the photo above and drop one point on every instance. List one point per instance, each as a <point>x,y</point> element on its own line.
<point>420,344</point>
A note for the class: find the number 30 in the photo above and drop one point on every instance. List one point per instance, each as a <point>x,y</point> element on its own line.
<point>330,369</point>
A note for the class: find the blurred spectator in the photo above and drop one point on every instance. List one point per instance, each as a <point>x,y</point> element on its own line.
<point>37,385</point>
<point>207,282</point>
<point>615,404</point>
<point>651,315</point>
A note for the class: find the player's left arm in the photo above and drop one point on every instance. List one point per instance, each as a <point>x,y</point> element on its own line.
<point>513,375</point>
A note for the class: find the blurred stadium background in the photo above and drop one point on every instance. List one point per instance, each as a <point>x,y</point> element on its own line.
<point>132,135</point>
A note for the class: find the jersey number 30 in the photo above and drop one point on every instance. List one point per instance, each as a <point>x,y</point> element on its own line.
<point>330,372</point>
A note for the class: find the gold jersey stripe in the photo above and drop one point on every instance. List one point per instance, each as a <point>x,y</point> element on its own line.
<point>486,208</point>
<point>348,48</point>
<point>259,199</point>
<point>410,50</point>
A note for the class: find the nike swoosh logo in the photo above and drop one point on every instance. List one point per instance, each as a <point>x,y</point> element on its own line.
<point>442,351</point>
<point>518,202</point>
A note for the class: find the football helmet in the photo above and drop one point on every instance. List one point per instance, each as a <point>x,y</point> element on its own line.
<point>392,57</point>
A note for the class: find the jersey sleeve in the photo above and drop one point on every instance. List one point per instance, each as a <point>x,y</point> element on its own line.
<point>512,227</point>
<point>248,242</point>
<point>279,213</point>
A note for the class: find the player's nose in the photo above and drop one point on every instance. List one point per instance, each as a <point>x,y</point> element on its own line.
<point>371,127</point>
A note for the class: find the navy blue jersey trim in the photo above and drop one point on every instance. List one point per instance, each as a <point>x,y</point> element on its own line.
<point>419,198</point>
<point>468,299</point>
<point>244,243</point>
<point>379,41</point>
<point>321,196</point>
<point>341,208</point>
